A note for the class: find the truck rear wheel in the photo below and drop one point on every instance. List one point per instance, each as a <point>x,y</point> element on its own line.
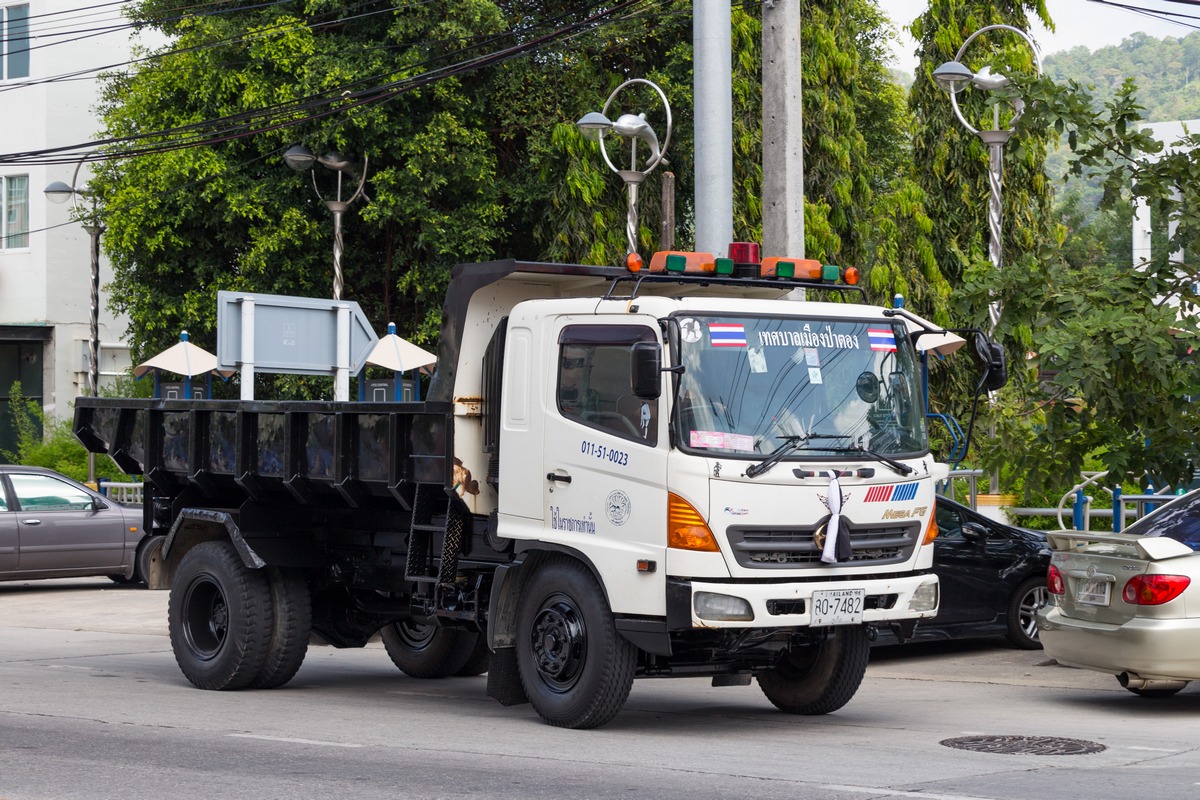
<point>425,650</point>
<point>219,617</point>
<point>819,678</point>
<point>575,668</point>
<point>291,624</point>
<point>479,660</point>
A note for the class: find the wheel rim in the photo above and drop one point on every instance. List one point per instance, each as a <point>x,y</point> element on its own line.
<point>558,641</point>
<point>1030,603</point>
<point>415,635</point>
<point>205,617</point>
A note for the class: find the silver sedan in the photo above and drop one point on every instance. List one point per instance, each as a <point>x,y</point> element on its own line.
<point>53,527</point>
<point>1129,603</point>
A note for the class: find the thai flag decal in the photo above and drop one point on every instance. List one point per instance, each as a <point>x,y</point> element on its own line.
<point>880,494</point>
<point>881,338</point>
<point>727,334</point>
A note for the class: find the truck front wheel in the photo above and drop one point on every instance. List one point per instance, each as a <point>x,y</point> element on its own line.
<point>219,617</point>
<point>819,678</point>
<point>575,668</point>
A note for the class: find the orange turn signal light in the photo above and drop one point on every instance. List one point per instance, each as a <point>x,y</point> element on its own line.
<point>931,531</point>
<point>686,528</point>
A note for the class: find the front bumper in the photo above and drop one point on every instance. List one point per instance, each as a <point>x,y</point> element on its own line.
<point>789,604</point>
<point>1166,649</point>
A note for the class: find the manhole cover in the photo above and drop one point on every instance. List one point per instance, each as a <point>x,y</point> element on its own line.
<point>1025,745</point>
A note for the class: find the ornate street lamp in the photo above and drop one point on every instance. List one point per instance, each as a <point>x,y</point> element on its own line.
<point>953,77</point>
<point>58,193</point>
<point>595,124</point>
<point>300,158</point>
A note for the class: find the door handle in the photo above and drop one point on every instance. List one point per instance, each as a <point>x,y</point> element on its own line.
<point>553,476</point>
<point>31,522</point>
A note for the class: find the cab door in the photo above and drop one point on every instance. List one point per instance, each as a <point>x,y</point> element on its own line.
<point>605,450</point>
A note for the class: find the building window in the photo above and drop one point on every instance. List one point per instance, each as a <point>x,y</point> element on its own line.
<point>14,42</point>
<point>14,203</point>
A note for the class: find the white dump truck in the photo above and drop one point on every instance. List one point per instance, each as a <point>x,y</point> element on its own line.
<point>676,472</point>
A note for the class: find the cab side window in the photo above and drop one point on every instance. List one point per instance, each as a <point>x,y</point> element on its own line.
<point>594,383</point>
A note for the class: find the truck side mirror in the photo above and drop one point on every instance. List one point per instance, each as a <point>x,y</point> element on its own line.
<point>646,370</point>
<point>994,361</point>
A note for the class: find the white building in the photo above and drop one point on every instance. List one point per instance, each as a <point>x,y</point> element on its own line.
<point>45,261</point>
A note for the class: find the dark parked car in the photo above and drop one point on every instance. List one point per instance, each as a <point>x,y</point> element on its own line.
<point>54,527</point>
<point>992,576</point>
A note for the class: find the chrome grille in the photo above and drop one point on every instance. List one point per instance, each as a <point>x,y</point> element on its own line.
<point>795,547</point>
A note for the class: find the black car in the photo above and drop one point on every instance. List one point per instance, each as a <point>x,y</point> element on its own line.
<point>992,576</point>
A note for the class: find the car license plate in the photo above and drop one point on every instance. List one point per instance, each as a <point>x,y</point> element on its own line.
<point>1093,593</point>
<point>838,607</point>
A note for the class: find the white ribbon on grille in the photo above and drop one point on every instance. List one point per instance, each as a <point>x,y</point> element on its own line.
<point>829,553</point>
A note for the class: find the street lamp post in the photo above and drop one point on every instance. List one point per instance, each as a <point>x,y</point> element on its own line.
<point>300,158</point>
<point>595,124</point>
<point>59,192</point>
<point>953,77</point>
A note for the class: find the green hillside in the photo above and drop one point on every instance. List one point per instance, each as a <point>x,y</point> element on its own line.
<point>1166,71</point>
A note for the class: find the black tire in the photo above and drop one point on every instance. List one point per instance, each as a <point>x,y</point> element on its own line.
<point>291,624</point>
<point>425,650</point>
<point>575,668</point>
<point>145,558</point>
<point>479,660</point>
<point>122,580</point>
<point>1030,595</point>
<point>219,617</point>
<point>819,678</point>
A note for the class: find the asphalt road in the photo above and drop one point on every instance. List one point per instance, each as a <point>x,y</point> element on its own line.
<point>93,706</point>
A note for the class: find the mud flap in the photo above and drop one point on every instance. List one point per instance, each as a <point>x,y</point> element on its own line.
<point>503,679</point>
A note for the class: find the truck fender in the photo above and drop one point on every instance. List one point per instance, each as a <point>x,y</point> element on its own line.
<point>507,584</point>
<point>509,581</point>
<point>195,525</point>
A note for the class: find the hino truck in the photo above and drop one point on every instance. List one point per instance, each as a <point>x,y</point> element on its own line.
<point>678,471</point>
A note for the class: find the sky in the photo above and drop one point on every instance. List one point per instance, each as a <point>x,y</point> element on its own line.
<point>1079,22</point>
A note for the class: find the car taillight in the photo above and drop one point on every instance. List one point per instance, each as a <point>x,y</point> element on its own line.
<point>1054,581</point>
<point>1154,590</point>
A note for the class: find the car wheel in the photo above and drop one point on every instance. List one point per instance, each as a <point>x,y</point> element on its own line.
<point>1030,595</point>
<point>145,558</point>
<point>219,617</point>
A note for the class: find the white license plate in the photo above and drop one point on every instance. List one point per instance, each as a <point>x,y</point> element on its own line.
<point>838,607</point>
<point>1093,593</point>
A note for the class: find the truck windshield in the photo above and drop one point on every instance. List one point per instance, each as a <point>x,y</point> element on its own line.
<point>751,385</point>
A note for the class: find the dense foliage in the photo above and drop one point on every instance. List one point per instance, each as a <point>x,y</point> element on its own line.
<point>465,114</point>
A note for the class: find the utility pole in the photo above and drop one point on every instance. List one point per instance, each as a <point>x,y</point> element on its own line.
<point>782,131</point>
<point>712,71</point>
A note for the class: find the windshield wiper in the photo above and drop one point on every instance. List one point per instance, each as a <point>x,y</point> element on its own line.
<point>900,468</point>
<point>790,442</point>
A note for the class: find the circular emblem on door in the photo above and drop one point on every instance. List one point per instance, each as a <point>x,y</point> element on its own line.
<point>1091,570</point>
<point>617,507</point>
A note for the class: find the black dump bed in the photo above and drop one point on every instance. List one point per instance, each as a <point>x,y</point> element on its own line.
<point>324,451</point>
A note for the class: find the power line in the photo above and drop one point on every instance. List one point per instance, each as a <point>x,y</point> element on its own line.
<point>338,100</point>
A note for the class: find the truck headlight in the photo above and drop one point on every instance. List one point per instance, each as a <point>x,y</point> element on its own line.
<point>722,607</point>
<point>925,598</point>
